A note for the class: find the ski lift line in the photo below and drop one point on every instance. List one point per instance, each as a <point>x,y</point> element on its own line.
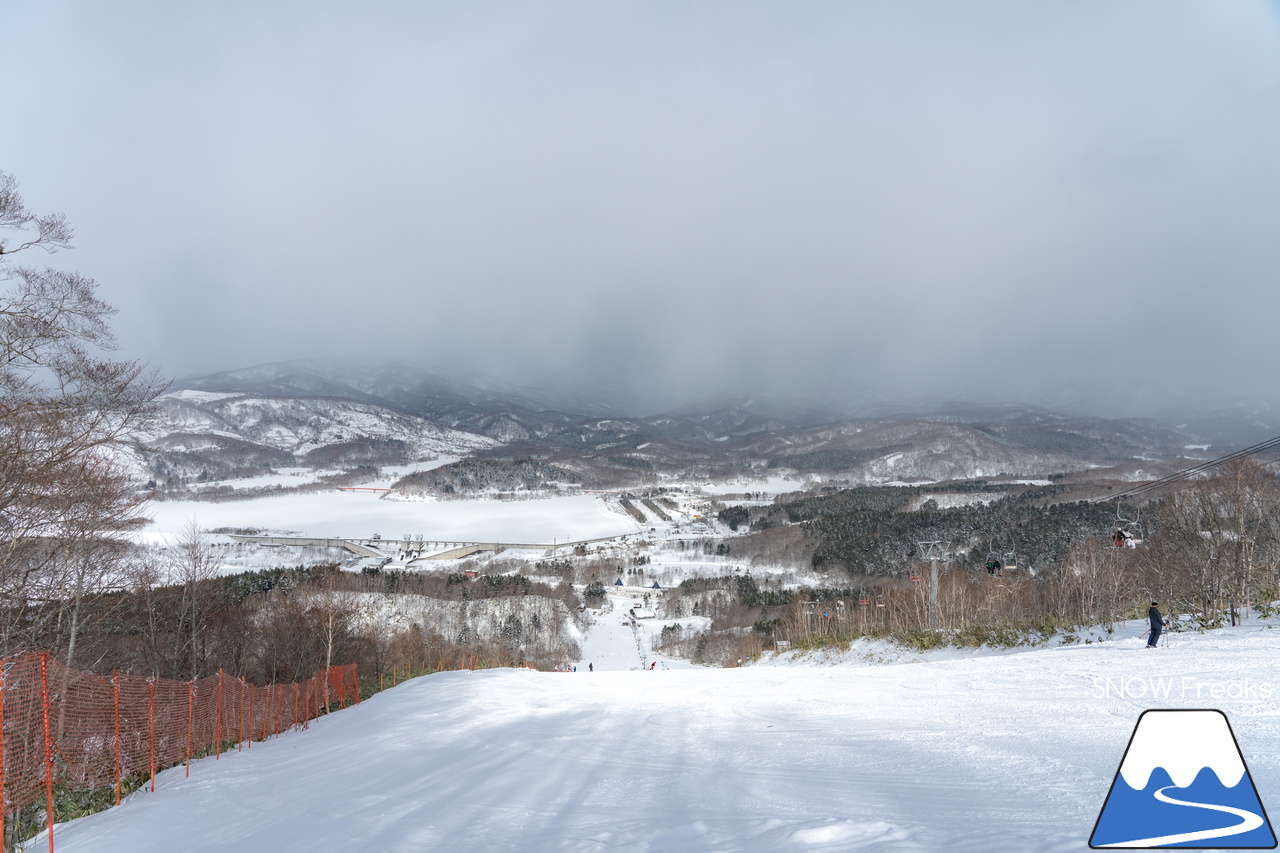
<point>1194,470</point>
<point>1204,466</point>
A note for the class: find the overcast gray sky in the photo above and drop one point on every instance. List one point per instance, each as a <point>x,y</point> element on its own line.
<point>680,197</point>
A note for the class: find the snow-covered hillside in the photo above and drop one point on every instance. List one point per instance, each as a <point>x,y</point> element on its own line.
<point>533,619</point>
<point>1010,753</point>
<point>299,425</point>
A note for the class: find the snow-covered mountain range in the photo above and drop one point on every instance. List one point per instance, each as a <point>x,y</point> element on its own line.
<point>317,415</point>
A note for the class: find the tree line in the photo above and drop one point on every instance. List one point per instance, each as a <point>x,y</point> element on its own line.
<point>1209,552</point>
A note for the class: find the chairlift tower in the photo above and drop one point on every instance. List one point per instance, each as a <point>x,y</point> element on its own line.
<point>932,551</point>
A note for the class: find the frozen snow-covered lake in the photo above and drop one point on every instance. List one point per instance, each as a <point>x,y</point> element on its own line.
<point>984,754</point>
<point>361,514</point>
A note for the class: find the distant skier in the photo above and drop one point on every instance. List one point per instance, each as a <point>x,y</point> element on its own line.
<point>1157,624</point>
<point>591,667</point>
<point>653,666</point>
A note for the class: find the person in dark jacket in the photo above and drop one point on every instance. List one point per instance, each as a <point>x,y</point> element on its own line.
<point>1157,624</point>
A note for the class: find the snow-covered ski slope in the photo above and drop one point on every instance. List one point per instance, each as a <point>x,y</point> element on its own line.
<point>1011,752</point>
<point>611,643</point>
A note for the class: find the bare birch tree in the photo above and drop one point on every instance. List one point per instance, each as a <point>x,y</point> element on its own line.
<point>66,416</point>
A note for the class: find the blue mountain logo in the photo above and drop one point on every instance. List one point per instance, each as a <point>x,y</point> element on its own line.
<point>1183,783</point>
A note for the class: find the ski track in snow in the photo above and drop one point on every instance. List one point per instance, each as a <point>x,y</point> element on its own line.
<point>1011,752</point>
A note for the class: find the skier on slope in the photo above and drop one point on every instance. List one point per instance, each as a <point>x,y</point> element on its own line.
<point>1157,624</point>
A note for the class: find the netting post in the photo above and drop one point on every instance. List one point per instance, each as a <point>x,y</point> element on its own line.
<point>48,744</point>
<point>151,724</point>
<point>191,709</point>
<point>249,720</point>
<point>217,749</point>
<point>3,802</point>
<point>279,708</point>
<point>115,701</point>
<point>240,719</point>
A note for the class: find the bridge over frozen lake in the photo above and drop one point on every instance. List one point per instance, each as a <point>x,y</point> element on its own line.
<point>409,549</point>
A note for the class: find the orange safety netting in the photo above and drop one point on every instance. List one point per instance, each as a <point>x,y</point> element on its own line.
<point>78,730</point>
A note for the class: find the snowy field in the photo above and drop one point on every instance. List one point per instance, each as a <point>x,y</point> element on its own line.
<point>768,485</point>
<point>1011,752</point>
<point>361,514</point>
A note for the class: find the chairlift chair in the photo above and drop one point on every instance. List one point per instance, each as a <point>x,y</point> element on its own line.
<point>1128,532</point>
<point>994,564</point>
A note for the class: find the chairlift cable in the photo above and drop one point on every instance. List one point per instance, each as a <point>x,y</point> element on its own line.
<point>1192,471</point>
<point>1199,469</point>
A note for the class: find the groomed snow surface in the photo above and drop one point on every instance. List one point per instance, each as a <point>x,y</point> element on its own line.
<point>1011,752</point>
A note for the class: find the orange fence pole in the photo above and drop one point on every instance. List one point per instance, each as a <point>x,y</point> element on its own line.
<point>249,722</point>
<point>191,709</point>
<point>151,718</point>
<point>240,719</point>
<point>115,700</point>
<point>48,744</point>
<point>217,749</point>
<point>3,802</point>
